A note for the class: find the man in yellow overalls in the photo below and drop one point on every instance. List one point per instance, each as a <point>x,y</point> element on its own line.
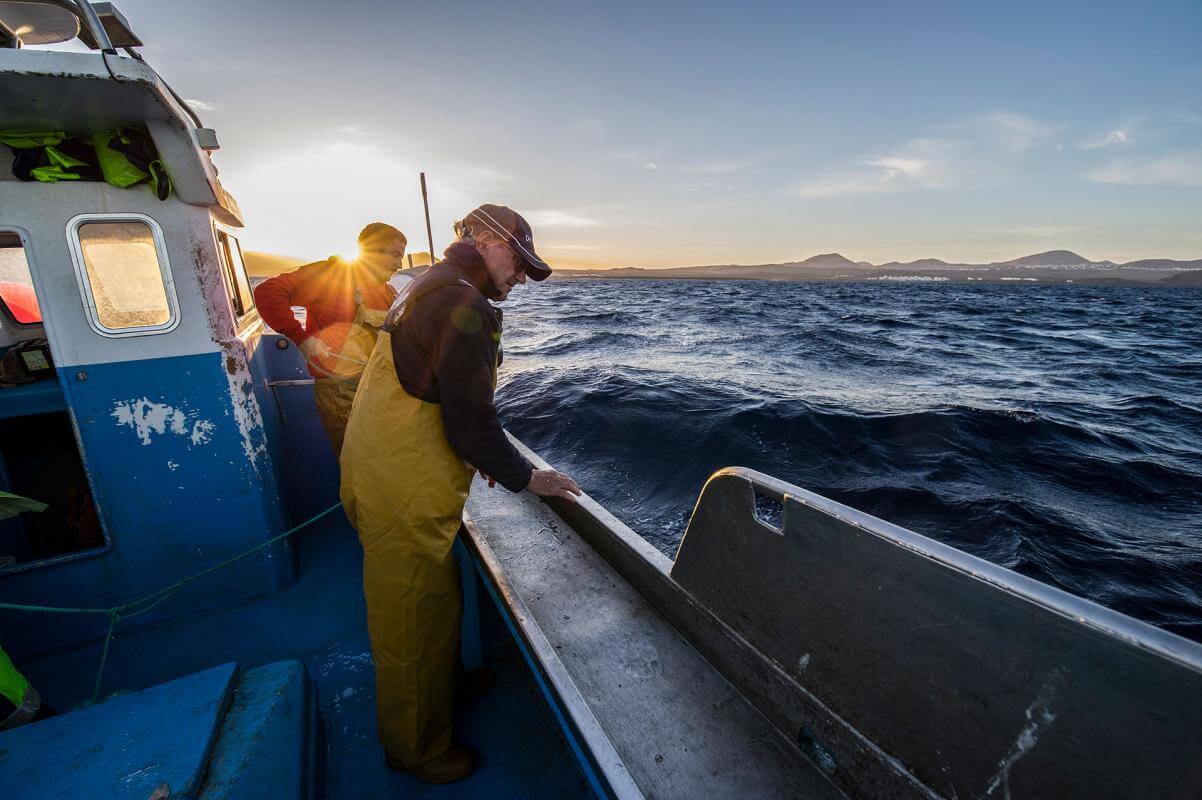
<point>423,421</point>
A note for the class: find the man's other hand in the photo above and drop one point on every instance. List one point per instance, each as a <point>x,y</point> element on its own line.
<point>491,480</point>
<point>553,483</point>
<point>316,352</point>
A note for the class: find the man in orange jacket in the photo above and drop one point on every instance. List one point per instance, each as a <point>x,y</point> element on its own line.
<point>344,304</point>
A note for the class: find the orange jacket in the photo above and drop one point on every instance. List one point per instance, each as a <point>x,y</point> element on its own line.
<point>326,290</point>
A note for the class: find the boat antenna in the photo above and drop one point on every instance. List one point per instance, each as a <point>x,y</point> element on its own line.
<point>426,206</point>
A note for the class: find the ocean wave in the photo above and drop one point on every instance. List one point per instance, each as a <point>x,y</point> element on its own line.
<point>1074,459</point>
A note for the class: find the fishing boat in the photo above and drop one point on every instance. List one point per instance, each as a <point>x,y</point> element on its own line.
<point>190,601</point>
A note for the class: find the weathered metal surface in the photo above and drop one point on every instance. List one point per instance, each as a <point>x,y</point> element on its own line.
<point>81,94</point>
<point>677,724</point>
<point>979,681</point>
<point>760,680</point>
<point>606,770</point>
<point>166,423</point>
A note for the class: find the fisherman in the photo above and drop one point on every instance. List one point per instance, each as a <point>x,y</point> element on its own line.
<point>424,421</point>
<point>344,304</point>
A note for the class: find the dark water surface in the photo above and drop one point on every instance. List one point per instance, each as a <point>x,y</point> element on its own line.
<point>1053,430</point>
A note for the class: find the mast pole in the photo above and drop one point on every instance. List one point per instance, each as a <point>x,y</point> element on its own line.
<point>426,206</point>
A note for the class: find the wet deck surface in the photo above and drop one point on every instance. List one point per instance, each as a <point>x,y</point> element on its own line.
<point>680,728</point>
<point>320,620</point>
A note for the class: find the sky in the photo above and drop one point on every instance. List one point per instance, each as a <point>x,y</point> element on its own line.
<point>663,134</point>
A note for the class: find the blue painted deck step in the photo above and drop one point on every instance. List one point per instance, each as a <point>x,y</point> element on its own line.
<point>208,735</point>
<point>269,744</point>
<point>124,748</point>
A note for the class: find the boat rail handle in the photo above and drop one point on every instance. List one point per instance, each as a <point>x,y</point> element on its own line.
<point>96,27</point>
<point>83,9</point>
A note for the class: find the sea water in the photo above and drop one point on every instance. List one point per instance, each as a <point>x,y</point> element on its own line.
<point>1055,430</point>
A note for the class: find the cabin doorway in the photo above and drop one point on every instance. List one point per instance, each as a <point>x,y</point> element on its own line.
<point>39,453</point>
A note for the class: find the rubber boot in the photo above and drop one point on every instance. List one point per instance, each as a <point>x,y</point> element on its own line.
<point>455,764</point>
<point>474,682</point>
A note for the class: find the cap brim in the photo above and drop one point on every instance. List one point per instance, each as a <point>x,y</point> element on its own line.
<point>537,271</point>
<point>536,268</point>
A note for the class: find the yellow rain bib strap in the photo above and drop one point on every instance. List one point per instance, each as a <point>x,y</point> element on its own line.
<point>404,489</point>
<point>334,396</point>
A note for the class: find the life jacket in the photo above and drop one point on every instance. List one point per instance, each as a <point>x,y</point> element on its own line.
<point>122,157</point>
<point>50,156</point>
<point>127,156</point>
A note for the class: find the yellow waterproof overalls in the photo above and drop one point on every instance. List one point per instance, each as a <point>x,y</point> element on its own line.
<point>335,395</point>
<point>404,489</point>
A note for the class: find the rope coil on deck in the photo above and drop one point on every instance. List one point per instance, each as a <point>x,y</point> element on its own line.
<point>143,604</point>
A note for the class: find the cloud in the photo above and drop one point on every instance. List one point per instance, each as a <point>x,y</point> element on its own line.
<point>570,247</point>
<point>920,163</point>
<point>201,105</point>
<point>664,163</point>
<point>628,156</point>
<point>1017,133</point>
<point>1179,169</point>
<point>1109,139</point>
<point>553,218</point>
<point>989,145</point>
<point>709,186</point>
<point>641,159</point>
<point>712,167</point>
<point>1037,230</point>
<point>590,125</point>
<point>474,177</point>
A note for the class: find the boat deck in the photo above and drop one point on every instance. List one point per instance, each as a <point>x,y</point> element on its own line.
<point>320,620</point>
<point>612,657</point>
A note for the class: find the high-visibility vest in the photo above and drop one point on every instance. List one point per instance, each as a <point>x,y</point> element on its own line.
<point>122,157</point>
<point>17,691</point>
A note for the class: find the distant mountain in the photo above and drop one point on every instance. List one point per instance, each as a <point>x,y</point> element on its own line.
<point>1163,263</point>
<point>268,265</point>
<point>1191,278</point>
<point>1053,266</point>
<point>1052,258</point>
<point>830,260</point>
<point>922,263</point>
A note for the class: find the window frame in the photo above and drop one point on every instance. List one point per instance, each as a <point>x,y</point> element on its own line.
<point>32,258</point>
<point>9,318</point>
<point>85,284</point>
<point>223,238</point>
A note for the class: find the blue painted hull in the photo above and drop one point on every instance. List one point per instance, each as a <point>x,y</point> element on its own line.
<point>176,490</point>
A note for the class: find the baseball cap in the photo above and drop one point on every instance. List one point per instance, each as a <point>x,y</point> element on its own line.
<point>375,232</point>
<point>510,225</point>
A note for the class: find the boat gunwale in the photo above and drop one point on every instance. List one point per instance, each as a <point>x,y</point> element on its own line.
<point>1080,610</point>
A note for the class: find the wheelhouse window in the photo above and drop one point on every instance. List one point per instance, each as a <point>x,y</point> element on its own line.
<point>236,282</point>
<point>121,263</point>
<point>17,297</point>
